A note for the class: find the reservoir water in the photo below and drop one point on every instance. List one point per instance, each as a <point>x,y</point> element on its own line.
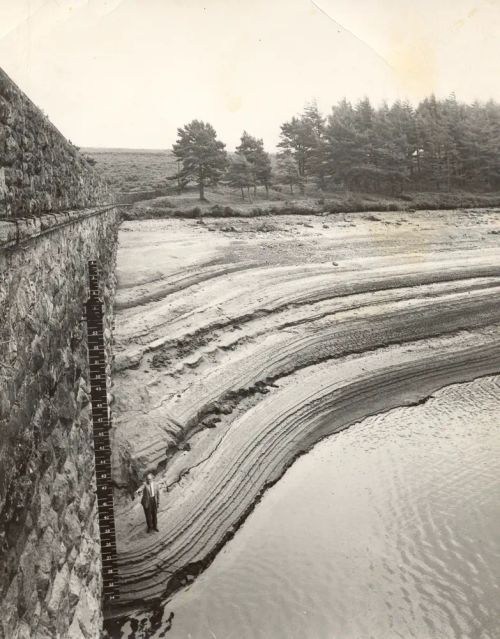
<point>389,529</point>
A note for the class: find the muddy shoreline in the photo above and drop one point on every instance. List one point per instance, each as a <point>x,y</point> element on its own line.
<point>238,348</point>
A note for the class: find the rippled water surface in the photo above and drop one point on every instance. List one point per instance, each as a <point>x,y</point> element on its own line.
<point>388,529</point>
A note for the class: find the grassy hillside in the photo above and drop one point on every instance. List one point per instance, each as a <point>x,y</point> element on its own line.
<point>132,170</point>
<point>140,177</point>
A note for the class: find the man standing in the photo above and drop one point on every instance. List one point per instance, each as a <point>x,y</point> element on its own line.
<point>150,502</point>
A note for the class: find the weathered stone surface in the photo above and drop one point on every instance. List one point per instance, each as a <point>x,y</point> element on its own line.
<point>40,171</point>
<point>85,616</point>
<point>75,587</point>
<point>45,561</point>
<point>9,618</point>
<point>72,532</point>
<point>23,631</point>
<point>58,591</point>
<point>28,597</point>
<point>48,525</point>
<point>60,495</point>
<point>49,543</point>
<point>75,630</point>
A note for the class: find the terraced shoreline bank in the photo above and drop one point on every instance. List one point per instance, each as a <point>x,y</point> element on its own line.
<point>241,344</point>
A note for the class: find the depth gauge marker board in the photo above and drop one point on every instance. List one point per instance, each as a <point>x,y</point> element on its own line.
<point>101,425</point>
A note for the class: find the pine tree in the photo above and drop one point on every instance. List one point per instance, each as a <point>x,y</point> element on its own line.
<point>288,172</point>
<point>298,141</point>
<point>481,142</point>
<point>253,150</point>
<point>202,155</point>
<point>365,168</point>
<point>402,122</point>
<point>452,114</point>
<point>389,152</point>
<point>492,144</point>
<point>317,154</point>
<point>263,170</point>
<point>240,173</point>
<point>432,131</point>
<point>441,144</point>
<point>343,150</point>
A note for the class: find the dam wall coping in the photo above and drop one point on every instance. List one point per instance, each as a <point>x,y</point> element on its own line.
<point>17,231</point>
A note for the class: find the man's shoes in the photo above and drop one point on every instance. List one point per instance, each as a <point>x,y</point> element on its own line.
<point>156,530</point>
<point>150,530</point>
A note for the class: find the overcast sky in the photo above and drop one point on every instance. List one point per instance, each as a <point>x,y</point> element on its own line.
<point>127,73</point>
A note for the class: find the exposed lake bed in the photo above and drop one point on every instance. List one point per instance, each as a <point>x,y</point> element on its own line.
<point>388,529</point>
<point>243,342</point>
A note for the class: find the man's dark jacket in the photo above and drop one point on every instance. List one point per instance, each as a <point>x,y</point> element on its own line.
<point>147,499</point>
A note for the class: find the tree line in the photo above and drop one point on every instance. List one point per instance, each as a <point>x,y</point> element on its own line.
<point>439,145</point>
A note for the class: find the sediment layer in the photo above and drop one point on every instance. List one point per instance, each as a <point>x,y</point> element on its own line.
<point>238,349</point>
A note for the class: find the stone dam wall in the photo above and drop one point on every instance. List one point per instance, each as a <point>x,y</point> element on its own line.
<point>40,171</point>
<point>55,215</point>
